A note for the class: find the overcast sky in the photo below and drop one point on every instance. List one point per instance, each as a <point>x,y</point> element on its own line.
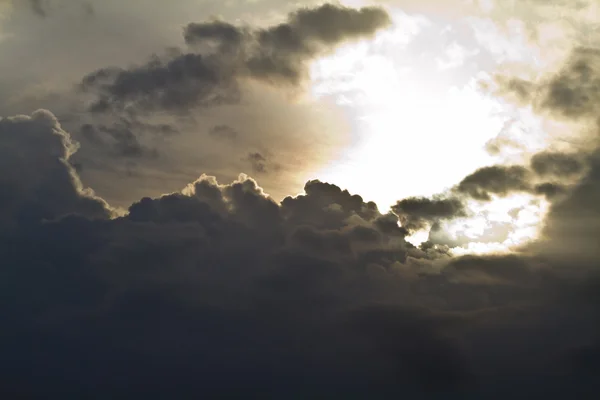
<point>299,199</point>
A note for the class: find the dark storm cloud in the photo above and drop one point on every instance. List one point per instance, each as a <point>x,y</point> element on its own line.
<point>499,180</point>
<point>574,223</point>
<point>245,287</point>
<point>220,290</point>
<point>277,55</point>
<point>36,180</point>
<point>417,212</point>
<point>556,164</point>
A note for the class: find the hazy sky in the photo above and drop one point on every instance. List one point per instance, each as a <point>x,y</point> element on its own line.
<point>299,199</point>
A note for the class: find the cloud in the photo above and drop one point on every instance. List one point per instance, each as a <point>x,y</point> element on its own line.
<point>120,160</point>
<point>45,8</point>
<point>276,55</point>
<point>217,288</point>
<point>416,212</point>
<point>499,180</point>
<point>178,82</point>
<point>572,223</point>
<point>572,92</point>
<point>224,132</point>
<point>124,142</point>
<point>549,190</point>
<point>556,164</point>
<point>36,178</point>
<point>259,163</point>
<point>124,137</point>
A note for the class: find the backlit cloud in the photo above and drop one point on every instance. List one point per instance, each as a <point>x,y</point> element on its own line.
<point>165,231</point>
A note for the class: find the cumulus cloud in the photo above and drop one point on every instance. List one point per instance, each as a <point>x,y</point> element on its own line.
<point>36,179</point>
<point>217,288</point>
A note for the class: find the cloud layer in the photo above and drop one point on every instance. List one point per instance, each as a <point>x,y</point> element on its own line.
<point>217,290</point>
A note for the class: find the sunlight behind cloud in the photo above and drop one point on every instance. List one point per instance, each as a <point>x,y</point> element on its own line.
<point>499,226</point>
<point>417,132</point>
<point>422,124</point>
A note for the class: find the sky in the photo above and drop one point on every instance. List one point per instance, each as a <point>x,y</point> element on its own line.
<point>298,199</point>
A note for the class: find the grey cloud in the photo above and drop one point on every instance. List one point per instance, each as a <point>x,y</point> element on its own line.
<point>504,180</point>
<point>120,138</point>
<point>219,31</point>
<point>126,136</point>
<point>497,179</point>
<point>326,206</point>
<point>304,33</point>
<point>223,131</point>
<point>572,92</point>
<point>174,83</point>
<point>416,212</point>
<point>37,180</point>
<point>571,226</point>
<point>573,223</point>
<point>276,55</point>
<point>575,91</point>
<point>284,48</point>
<point>550,190</point>
<point>258,162</point>
<point>556,164</point>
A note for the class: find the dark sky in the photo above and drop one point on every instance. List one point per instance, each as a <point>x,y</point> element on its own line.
<point>168,228</point>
